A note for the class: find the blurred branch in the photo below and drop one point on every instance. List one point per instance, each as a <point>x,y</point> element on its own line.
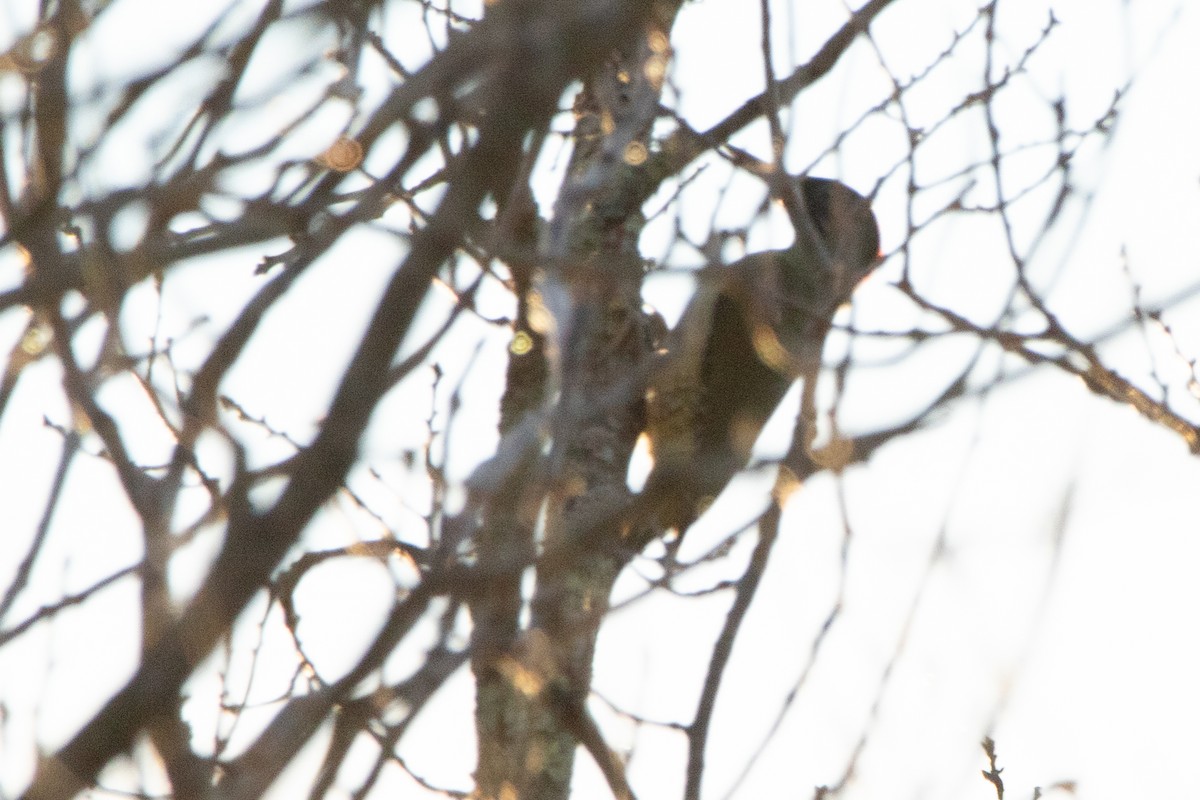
<point>46,612</point>
<point>747,587</point>
<point>1080,359</point>
<point>686,144</point>
<point>20,577</point>
<point>444,160</point>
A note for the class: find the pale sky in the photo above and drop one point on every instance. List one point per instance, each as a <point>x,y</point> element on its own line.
<point>1033,551</point>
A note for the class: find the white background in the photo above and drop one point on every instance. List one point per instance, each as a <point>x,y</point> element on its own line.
<point>1022,568</point>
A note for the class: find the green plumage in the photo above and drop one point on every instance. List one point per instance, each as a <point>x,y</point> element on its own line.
<point>749,331</point>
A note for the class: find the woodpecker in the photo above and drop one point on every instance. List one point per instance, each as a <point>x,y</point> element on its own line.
<point>751,329</point>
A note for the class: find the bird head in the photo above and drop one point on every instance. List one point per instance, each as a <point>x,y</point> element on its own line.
<point>836,232</point>
<point>791,295</point>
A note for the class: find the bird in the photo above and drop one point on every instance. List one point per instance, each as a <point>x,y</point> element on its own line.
<point>751,329</point>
